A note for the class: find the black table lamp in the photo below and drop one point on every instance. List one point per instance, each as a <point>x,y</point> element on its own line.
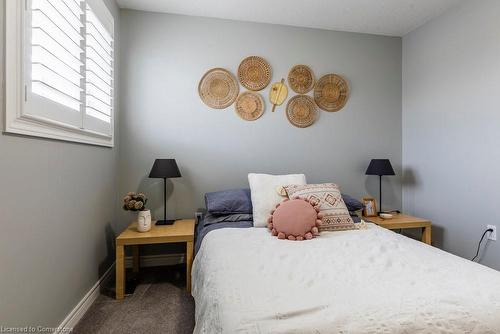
<point>380,167</point>
<point>165,169</point>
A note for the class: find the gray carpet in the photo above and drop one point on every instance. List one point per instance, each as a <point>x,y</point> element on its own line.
<point>160,304</point>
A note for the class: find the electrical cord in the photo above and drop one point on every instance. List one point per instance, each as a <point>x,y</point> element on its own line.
<point>480,241</point>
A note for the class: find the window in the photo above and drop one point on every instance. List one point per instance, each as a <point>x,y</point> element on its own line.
<point>60,77</point>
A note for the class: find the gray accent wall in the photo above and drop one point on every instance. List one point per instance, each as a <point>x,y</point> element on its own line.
<point>56,214</point>
<point>451,126</point>
<point>163,58</point>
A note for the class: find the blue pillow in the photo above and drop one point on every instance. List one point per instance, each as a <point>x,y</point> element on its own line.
<point>211,219</point>
<point>352,203</point>
<point>229,202</point>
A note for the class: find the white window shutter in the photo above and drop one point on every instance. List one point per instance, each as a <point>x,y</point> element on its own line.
<point>60,70</point>
<point>54,72</point>
<point>99,68</point>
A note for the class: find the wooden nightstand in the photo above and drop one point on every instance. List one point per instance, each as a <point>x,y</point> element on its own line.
<point>401,221</point>
<point>180,231</point>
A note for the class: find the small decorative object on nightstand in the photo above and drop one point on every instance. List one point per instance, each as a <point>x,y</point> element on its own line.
<point>137,202</point>
<point>386,216</point>
<point>165,169</point>
<point>180,231</point>
<point>380,167</point>
<point>401,221</point>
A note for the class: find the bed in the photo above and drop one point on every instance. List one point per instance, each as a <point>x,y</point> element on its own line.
<point>361,281</point>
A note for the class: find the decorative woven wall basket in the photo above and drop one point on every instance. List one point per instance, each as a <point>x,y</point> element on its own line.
<point>218,88</point>
<point>331,92</point>
<point>301,111</point>
<point>254,73</point>
<point>249,106</point>
<point>301,79</point>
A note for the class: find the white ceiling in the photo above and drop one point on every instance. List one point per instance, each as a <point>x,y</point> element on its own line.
<point>382,17</point>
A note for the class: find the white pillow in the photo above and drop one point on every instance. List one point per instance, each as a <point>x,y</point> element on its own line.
<point>264,194</point>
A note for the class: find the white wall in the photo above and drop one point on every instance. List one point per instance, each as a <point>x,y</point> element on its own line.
<point>57,202</point>
<point>451,126</point>
<point>163,58</point>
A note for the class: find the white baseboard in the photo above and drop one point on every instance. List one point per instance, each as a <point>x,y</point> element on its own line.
<point>83,306</point>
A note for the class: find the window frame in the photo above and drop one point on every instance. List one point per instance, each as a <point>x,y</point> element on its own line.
<point>17,120</point>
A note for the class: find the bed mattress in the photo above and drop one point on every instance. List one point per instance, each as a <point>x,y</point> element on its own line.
<point>363,281</point>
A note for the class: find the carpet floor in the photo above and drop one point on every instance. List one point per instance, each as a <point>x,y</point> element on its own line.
<point>159,304</point>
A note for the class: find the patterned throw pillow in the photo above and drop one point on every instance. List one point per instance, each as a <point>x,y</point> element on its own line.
<point>335,216</point>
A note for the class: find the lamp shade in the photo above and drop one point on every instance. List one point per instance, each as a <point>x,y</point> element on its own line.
<point>164,168</point>
<point>380,167</point>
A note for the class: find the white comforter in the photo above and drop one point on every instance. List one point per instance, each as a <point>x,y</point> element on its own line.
<point>364,281</point>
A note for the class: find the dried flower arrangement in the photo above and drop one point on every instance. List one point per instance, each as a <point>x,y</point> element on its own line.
<point>135,202</point>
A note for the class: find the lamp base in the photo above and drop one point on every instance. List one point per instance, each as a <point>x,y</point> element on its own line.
<point>165,222</point>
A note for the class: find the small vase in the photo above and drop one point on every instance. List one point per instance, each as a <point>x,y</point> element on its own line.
<point>144,221</point>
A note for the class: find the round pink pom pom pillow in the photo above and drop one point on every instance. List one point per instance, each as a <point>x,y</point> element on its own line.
<point>294,219</point>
